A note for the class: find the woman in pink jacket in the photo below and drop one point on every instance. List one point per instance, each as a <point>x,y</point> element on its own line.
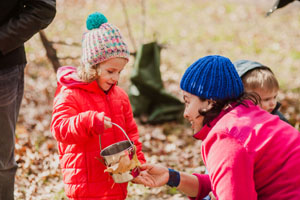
<point>249,153</point>
<point>87,100</point>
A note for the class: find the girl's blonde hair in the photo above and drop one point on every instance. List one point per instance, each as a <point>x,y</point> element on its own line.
<point>260,78</point>
<point>88,73</point>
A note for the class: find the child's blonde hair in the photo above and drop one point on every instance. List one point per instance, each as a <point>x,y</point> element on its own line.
<point>255,75</point>
<point>87,74</point>
<point>260,78</point>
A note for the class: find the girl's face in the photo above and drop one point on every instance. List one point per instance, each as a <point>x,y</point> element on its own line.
<point>110,72</point>
<point>191,112</point>
<point>268,99</point>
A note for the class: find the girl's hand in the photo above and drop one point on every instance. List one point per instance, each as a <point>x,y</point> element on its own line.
<point>107,122</point>
<point>152,175</point>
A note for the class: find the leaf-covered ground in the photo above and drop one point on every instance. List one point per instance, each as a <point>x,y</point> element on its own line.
<point>189,30</point>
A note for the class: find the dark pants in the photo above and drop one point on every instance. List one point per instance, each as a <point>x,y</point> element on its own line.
<point>11,93</point>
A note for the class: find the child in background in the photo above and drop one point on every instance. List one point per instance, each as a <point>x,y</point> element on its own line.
<point>260,79</point>
<point>87,100</point>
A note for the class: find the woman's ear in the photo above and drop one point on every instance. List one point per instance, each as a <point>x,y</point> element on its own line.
<point>210,104</point>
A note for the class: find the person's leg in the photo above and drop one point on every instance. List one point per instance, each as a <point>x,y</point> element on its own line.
<point>11,94</point>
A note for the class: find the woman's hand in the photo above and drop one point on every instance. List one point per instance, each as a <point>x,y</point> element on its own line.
<point>152,175</point>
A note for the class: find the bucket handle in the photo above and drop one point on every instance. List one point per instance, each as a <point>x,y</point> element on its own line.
<point>121,130</point>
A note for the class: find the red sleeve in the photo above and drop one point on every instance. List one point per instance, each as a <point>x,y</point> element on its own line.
<point>132,130</point>
<point>204,186</point>
<point>70,126</point>
<point>230,167</point>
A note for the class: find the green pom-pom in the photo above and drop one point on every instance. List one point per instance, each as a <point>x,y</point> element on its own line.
<point>95,20</point>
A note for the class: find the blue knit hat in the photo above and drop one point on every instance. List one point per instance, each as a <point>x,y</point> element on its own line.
<point>212,77</point>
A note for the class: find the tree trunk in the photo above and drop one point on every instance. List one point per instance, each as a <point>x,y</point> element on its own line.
<point>50,50</point>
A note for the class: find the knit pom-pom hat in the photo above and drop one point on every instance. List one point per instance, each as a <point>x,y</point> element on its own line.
<point>212,77</point>
<point>101,42</point>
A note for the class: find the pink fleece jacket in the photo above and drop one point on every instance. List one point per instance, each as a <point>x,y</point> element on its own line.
<point>250,154</point>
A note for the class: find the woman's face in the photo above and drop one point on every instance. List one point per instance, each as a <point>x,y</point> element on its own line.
<point>110,72</point>
<point>191,112</point>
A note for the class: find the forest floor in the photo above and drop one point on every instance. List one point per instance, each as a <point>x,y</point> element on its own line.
<point>236,29</point>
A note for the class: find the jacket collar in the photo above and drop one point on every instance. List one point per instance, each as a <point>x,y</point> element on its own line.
<point>276,108</point>
<point>67,76</point>
<point>202,134</point>
<point>94,87</point>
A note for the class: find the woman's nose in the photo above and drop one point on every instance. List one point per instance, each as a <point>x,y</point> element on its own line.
<point>185,114</point>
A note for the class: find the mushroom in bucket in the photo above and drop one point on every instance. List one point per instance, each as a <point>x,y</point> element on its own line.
<point>121,159</point>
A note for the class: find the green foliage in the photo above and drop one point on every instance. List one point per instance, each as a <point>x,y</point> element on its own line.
<point>60,195</point>
<point>295,54</point>
<point>173,190</point>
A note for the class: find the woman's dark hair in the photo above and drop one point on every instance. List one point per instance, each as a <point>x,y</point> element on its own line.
<point>218,105</point>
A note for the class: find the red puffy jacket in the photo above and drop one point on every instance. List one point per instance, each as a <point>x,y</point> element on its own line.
<point>77,122</point>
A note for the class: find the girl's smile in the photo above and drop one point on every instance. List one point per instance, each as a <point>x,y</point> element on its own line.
<point>109,72</point>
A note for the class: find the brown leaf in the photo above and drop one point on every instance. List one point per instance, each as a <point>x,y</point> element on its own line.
<point>124,164</point>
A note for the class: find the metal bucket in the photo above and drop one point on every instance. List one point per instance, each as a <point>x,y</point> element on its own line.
<point>112,155</point>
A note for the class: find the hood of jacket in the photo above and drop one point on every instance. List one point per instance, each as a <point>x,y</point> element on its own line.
<point>244,66</point>
<point>67,76</point>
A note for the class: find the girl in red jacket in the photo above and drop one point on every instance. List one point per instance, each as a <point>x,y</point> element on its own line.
<point>249,153</point>
<point>87,100</point>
